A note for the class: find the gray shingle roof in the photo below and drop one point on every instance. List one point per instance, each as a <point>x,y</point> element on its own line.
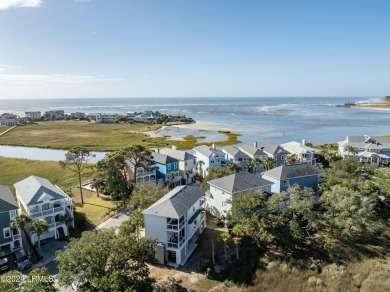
<point>32,188</point>
<point>271,148</point>
<point>235,152</point>
<point>250,150</point>
<point>208,151</point>
<point>239,182</point>
<point>177,154</point>
<point>163,158</point>
<point>176,203</point>
<point>7,199</point>
<point>295,170</point>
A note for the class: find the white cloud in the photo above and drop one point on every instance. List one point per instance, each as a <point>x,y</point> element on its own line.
<point>36,79</point>
<point>7,4</point>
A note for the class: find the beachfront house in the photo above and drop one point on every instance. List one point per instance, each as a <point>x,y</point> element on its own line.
<point>40,199</point>
<point>141,173</point>
<point>304,153</point>
<point>277,153</point>
<point>10,239</point>
<point>223,189</point>
<point>146,117</point>
<point>176,221</point>
<point>106,118</point>
<point>207,156</point>
<point>187,163</point>
<point>78,115</point>
<point>7,119</point>
<point>303,175</point>
<point>54,115</point>
<point>167,168</point>
<point>35,116</point>
<point>255,152</point>
<point>374,150</point>
<point>236,156</point>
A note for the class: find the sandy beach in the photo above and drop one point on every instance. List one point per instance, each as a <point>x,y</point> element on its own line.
<point>377,106</point>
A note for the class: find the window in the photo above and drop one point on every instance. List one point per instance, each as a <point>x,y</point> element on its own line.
<point>175,165</point>
<point>12,214</point>
<point>211,161</point>
<point>169,166</point>
<point>285,183</point>
<point>186,163</point>
<point>282,157</point>
<point>7,232</point>
<point>217,159</point>
<point>194,161</point>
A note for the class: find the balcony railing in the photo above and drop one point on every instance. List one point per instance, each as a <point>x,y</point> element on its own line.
<point>16,236</point>
<point>47,211</point>
<point>175,244</point>
<point>142,173</point>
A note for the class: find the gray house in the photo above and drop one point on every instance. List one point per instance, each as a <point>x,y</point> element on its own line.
<point>254,152</point>
<point>235,155</point>
<point>277,153</point>
<point>303,175</point>
<point>10,240</point>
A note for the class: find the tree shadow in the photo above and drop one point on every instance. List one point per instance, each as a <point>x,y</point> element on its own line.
<point>82,223</point>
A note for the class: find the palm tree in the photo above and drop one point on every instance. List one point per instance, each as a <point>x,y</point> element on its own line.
<point>137,221</point>
<point>97,182</point>
<point>20,222</point>
<point>350,150</point>
<point>225,238</point>
<point>256,162</point>
<point>39,227</point>
<point>67,219</point>
<point>291,159</point>
<point>374,158</point>
<point>234,167</point>
<point>237,230</point>
<point>188,173</point>
<point>269,163</point>
<point>200,169</point>
<point>171,176</point>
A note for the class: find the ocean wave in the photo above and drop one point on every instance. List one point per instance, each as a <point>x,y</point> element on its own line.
<point>371,100</point>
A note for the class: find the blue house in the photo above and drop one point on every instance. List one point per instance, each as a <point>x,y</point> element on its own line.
<point>10,240</point>
<point>303,175</point>
<point>167,168</point>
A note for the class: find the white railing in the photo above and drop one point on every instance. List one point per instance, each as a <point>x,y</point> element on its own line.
<point>16,236</point>
<point>142,173</point>
<point>36,214</point>
<point>59,209</point>
<point>52,225</point>
<point>175,244</point>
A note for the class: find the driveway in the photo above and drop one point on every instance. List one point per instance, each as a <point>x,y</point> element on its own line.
<point>116,220</point>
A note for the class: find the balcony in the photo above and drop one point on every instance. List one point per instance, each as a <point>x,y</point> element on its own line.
<point>175,244</point>
<point>47,211</point>
<point>16,236</point>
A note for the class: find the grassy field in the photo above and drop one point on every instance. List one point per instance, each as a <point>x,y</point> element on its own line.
<point>14,170</point>
<point>98,137</point>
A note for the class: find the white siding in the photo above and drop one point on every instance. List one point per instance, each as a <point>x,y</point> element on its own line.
<point>156,227</point>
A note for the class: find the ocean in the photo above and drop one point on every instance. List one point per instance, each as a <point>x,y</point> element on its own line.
<point>277,120</point>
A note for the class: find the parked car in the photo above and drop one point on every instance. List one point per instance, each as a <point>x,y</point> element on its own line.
<point>4,265</point>
<point>21,260</point>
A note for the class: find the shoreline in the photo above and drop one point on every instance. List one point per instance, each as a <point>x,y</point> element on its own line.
<point>373,106</point>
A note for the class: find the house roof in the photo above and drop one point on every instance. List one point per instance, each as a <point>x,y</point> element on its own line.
<point>271,148</point>
<point>235,152</point>
<point>364,141</point>
<point>162,158</point>
<point>294,170</point>
<point>296,147</point>
<point>7,199</point>
<point>239,182</point>
<point>208,151</point>
<point>35,189</point>
<point>177,154</point>
<point>250,150</point>
<point>176,203</point>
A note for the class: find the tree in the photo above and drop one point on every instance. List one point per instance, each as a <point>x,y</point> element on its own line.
<point>97,182</point>
<point>237,231</point>
<point>171,176</point>
<point>200,163</point>
<point>349,149</point>
<point>19,222</point>
<point>374,158</point>
<point>214,173</point>
<point>137,156</point>
<point>233,167</point>
<point>39,227</point>
<point>39,280</point>
<point>268,163</point>
<point>66,219</point>
<point>133,225</point>
<point>76,160</point>
<point>107,261</point>
<point>188,173</point>
<point>225,238</point>
<point>291,159</point>
<point>146,194</point>
<point>10,286</point>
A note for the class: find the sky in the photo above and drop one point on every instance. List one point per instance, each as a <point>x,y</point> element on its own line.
<point>194,48</point>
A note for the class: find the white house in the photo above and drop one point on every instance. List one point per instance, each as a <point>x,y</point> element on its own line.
<point>35,116</point>
<point>176,221</point>
<point>223,189</point>
<point>211,156</point>
<point>106,118</point>
<point>39,198</point>
<point>304,153</point>
<point>187,163</point>
<point>254,152</point>
<point>8,120</point>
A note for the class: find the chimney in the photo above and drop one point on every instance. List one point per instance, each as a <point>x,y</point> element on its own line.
<point>214,146</point>
<point>304,141</point>
<point>157,150</point>
<point>255,144</point>
<point>174,147</point>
